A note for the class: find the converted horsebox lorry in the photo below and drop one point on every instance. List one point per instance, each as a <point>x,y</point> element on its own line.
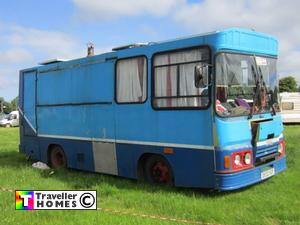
<point>200,111</point>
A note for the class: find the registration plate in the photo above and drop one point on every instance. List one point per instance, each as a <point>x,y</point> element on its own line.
<point>267,173</point>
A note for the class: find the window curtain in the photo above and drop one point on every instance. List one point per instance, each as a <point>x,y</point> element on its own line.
<point>167,80</point>
<point>131,80</point>
<point>187,86</point>
<point>166,83</point>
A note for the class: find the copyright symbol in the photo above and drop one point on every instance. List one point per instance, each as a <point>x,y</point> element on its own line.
<point>87,200</point>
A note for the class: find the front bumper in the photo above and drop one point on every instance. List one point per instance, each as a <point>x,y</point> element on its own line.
<point>232,181</point>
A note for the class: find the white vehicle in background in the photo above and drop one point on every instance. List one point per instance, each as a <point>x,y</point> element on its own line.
<point>11,120</point>
<point>290,107</point>
<point>2,116</point>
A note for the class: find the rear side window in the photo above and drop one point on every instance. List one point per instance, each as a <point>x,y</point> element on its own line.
<point>174,85</point>
<point>131,80</point>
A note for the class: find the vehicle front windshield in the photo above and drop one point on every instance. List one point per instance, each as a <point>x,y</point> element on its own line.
<point>245,85</point>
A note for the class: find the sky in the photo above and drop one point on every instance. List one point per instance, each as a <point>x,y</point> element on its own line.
<point>33,31</point>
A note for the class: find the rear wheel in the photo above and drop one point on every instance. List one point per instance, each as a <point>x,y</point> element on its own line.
<point>58,158</point>
<point>158,170</point>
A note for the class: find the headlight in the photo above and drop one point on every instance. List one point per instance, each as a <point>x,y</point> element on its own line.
<point>237,159</point>
<point>247,158</point>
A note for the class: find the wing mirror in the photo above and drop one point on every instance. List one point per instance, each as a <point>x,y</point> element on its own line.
<point>201,76</point>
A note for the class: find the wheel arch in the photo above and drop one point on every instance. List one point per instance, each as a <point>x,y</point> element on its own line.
<point>142,160</point>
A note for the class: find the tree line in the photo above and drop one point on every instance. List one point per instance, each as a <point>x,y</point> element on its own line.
<point>288,84</point>
<point>7,107</point>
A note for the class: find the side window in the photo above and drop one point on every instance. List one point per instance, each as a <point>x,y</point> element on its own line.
<point>131,80</point>
<point>174,79</point>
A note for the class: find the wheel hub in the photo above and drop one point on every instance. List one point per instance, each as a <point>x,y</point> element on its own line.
<point>160,172</point>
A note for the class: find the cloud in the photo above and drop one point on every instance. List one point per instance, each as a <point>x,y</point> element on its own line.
<point>15,55</point>
<point>8,78</point>
<point>22,47</point>
<point>274,17</point>
<point>113,9</point>
<point>281,19</point>
<point>50,43</point>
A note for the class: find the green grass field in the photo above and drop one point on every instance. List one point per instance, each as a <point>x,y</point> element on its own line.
<point>276,201</point>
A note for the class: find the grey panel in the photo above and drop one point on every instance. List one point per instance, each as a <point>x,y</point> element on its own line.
<point>105,159</point>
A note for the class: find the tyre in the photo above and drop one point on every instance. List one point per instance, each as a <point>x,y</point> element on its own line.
<point>157,170</point>
<point>58,159</point>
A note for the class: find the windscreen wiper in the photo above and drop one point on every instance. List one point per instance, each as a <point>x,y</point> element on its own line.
<point>260,83</point>
<point>257,89</point>
<point>268,96</point>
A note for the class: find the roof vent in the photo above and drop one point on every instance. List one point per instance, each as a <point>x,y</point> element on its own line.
<point>135,45</point>
<point>51,61</point>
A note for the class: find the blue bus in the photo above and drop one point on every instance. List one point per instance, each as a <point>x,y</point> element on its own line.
<point>200,111</point>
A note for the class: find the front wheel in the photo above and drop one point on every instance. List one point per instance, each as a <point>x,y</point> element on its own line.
<point>157,170</point>
<point>58,159</point>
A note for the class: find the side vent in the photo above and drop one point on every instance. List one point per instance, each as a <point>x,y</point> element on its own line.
<point>80,157</point>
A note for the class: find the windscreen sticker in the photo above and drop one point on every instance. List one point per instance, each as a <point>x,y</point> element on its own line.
<point>261,61</point>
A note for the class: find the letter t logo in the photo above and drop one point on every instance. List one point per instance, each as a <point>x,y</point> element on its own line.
<point>25,199</point>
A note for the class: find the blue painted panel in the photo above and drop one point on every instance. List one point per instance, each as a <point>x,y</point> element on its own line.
<point>90,121</point>
<point>187,127</point>
<point>191,168</point>
<point>134,122</point>
<point>20,106</point>
<point>26,128</point>
<point>246,41</point>
<point>89,83</point>
<point>79,153</point>
<point>232,131</point>
<point>20,97</point>
<point>29,99</point>
<point>194,168</point>
<point>270,127</point>
<point>142,123</point>
<point>31,147</point>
